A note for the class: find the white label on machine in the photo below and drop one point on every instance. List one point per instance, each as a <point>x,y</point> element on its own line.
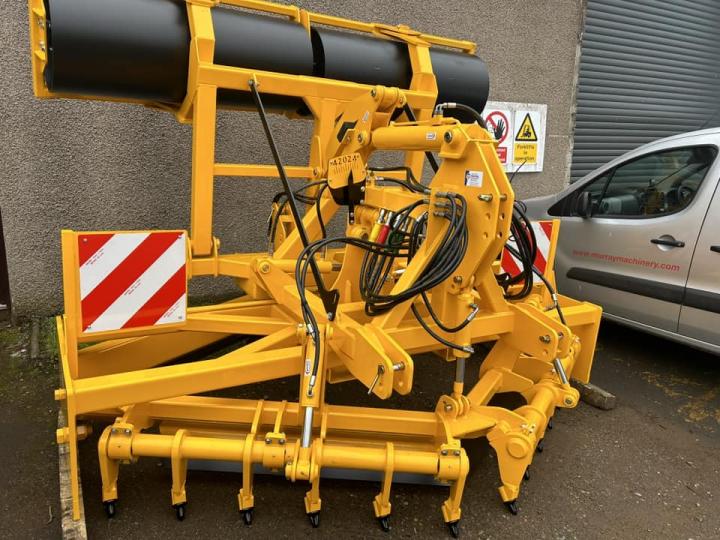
<point>474,178</point>
<point>431,136</point>
<point>308,366</point>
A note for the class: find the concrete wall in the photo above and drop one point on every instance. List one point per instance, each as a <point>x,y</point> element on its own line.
<point>95,166</point>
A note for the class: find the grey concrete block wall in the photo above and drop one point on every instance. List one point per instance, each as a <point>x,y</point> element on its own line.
<point>103,166</point>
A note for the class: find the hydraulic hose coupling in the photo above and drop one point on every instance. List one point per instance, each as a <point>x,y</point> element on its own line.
<point>385,228</point>
<point>377,226</point>
<point>475,308</point>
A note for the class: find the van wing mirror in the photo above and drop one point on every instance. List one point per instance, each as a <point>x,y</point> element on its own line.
<point>583,205</point>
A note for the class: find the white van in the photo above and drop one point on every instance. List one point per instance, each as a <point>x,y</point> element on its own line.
<point>640,236</point>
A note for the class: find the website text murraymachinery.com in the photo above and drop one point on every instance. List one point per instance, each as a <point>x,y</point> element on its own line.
<point>635,261</point>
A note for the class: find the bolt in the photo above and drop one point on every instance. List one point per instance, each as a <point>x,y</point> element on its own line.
<point>264,268</point>
<point>113,430</point>
<point>268,440</point>
<point>560,335</point>
<point>316,171</point>
<point>503,197</point>
<point>448,407</point>
<point>485,197</point>
<point>42,46</point>
<point>456,452</point>
<point>282,441</point>
<point>448,136</point>
<point>360,138</point>
<point>373,92</point>
<point>127,432</point>
<point>545,338</point>
<point>443,452</point>
<point>457,279</point>
<point>568,400</point>
<point>362,189</point>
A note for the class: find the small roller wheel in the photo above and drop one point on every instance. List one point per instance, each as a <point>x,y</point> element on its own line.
<point>314,518</point>
<point>526,474</point>
<point>109,509</point>
<point>180,511</point>
<point>550,423</point>
<point>384,523</point>
<point>540,446</point>
<point>247,516</point>
<point>454,527</point>
<point>513,507</point>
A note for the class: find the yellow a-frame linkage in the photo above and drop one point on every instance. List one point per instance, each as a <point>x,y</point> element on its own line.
<point>123,372</point>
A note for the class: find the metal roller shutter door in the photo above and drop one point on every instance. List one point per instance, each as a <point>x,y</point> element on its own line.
<point>648,69</point>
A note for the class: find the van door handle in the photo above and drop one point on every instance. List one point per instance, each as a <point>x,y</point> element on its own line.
<point>716,249</point>
<point>668,242</point>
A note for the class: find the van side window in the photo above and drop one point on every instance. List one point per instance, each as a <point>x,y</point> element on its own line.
<point>649,186</point>
<point>596,188</point>
<point>655,184</point>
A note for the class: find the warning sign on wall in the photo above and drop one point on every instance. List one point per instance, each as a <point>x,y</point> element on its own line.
<point>527,130</point>
<point>498,123</point>
<point>519,129</point>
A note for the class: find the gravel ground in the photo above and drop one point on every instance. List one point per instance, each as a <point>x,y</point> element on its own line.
<point>648,469</point>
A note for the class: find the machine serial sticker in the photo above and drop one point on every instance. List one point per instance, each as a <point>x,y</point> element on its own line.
<point>474,178</point>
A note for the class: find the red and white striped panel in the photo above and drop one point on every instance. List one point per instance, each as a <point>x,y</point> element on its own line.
<point>132,279</point>
<point>543,233</point>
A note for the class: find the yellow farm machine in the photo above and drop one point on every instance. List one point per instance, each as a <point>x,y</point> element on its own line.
<point>417,268</point>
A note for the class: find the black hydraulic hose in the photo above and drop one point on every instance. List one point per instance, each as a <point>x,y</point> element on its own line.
<point>438,322</point>
<point>462,107</point>
<point>546,282</point>
<point>525,251</point>
<point>411,182</point>
<point>438,337</point>
<point>273,223</point>
<point>318,200</point>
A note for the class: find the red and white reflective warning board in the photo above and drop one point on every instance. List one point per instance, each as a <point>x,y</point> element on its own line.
<point>131,279</point>
<point>543,236</point>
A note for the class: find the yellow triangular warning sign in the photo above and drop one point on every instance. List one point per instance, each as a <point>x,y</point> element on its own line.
<point>527,130</point>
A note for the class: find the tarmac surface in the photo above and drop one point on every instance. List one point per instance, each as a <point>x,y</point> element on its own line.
<point>650,468</point>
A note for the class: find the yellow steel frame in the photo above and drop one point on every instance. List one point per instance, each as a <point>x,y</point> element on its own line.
<point>126,373</point>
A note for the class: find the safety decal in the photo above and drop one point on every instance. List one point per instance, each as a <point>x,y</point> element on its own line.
<point>527,130</point>
<point>132,279</point>
<point>498,124</point>
<point>518,130</point>
<point>543,233</point>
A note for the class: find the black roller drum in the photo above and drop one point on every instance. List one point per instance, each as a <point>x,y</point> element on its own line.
<point>139,49</point>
